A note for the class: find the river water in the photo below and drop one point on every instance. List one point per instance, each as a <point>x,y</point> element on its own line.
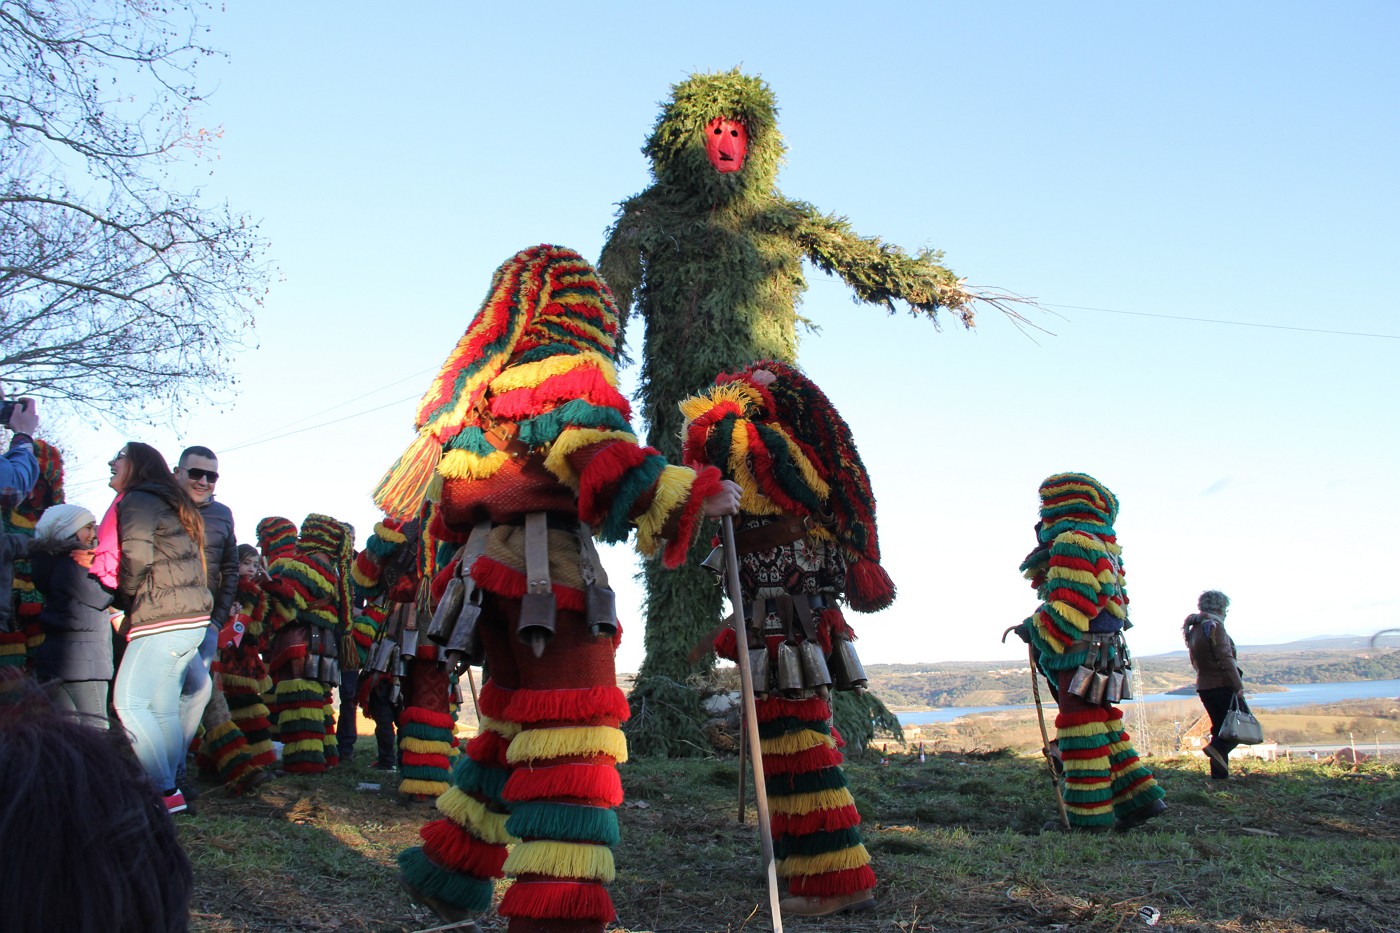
<point>1290,695</point>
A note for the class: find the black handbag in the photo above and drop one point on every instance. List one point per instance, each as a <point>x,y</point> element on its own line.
<point>1239,726</point>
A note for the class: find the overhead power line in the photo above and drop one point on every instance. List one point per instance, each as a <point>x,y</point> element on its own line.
<point>1211,320</point>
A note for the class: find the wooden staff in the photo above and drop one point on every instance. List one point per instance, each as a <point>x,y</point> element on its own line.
<point>1045,742</point>
<point>760,790</point>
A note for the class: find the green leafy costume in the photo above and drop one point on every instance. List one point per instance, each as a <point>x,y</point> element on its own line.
<point>711,256</point>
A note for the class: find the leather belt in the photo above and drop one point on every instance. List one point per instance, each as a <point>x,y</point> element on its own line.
<point>787,529</point>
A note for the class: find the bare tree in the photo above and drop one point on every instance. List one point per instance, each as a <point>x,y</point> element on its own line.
<point>119,290</point>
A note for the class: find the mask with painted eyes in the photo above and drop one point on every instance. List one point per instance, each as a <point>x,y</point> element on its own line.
<point>726,143</point>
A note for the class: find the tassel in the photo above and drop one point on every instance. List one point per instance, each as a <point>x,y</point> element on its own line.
<point>868,587</point>
<point>833,883</point>
<point>401,491</point>
<point>455,849</point>
<point>599,784</point>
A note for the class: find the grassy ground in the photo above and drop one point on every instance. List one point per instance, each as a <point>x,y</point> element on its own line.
<point>1281,847</point>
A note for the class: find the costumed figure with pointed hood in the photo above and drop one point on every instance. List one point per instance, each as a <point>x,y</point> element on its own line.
<point>239,668</point>
<point>310,613</point>
<point>1077,638</point>
<point>806,544</point>
<point>713,248</point>
<point>25,633</point>
<point>394,574</point>
<point>525,449</point>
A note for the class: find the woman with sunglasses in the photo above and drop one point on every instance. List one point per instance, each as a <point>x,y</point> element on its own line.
<point>161,585</point>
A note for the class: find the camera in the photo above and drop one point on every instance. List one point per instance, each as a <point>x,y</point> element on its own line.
<point>7,408</point>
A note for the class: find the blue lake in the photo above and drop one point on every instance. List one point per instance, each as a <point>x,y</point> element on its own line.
<point>1291,695</point>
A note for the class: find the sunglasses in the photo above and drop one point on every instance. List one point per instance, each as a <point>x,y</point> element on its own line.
<point>197,474</point>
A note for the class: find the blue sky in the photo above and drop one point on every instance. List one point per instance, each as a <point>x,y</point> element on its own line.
<point>1127,166</point>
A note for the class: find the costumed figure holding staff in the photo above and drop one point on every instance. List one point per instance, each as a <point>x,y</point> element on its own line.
<point>806,543</point>
<point>1077,638</point>
<point>525,449</point>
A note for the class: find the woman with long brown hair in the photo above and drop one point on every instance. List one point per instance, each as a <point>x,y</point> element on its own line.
<point>162,586</point>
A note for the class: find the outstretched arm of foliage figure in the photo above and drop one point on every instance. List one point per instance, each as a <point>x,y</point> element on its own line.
<point>879,272</point>
<point>620,265</point>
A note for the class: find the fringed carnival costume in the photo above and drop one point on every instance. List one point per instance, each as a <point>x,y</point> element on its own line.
<point>806,538</point>
<point>26,633</point>
<point>524,444</point>
<point>311,611</point>
<point>390,574</point>
<point>1077,636</point>
<point>241,673</point>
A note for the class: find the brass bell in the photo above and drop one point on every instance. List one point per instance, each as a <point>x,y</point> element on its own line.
<point>536,627</point>
<point>440,628</point>
<point>715,561</point>
<point>847,671</point>
<point>600,610</point>
<point>758,667</point>
<point>815,673</point>
<point>789,668</point>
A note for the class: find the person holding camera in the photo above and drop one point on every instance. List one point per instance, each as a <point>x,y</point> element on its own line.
<point>19,470</point>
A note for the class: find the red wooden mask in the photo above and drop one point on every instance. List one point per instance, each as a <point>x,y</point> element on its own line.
<point>726,143</point>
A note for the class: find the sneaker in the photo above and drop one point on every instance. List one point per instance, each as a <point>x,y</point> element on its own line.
<point>175,803</point>
<point>803,906</point>
<point>383,766</point>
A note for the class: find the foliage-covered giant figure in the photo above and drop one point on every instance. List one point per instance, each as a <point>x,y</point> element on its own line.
<point>711,256</point>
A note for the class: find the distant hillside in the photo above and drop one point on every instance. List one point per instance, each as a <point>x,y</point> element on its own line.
<point>997,683</point>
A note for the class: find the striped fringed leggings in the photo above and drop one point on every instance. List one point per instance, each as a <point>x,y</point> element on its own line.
<point>1104,780</point>
<point>540,777</point>
<point>300,708</point>
<point>816,835</point>
<point>425,731</point>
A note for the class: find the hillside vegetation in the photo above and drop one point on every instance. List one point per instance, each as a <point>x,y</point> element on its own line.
<point>961,683</point>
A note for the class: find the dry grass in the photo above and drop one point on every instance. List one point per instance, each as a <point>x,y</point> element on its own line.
<point>1282,848</point>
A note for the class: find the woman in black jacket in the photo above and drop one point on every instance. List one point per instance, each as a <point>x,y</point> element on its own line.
<point>161,585</point>
<point>75,660</point>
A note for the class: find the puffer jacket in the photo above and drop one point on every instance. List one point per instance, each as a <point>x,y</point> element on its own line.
<point>161,583</point>
<point>77,637</point>
<point>220,557</point>
<point>1212,653</point>
<point>13,547</point>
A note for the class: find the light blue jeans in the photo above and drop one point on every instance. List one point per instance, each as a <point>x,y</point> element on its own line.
<point>147,698</point>
<point>197,688</point>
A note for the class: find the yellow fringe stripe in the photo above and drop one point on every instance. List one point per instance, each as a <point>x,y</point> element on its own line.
<point>529,375</point>
<point>840,860</point>
<point>799,804</point>
<point>1088,728</point>
<point>1078,576</point>
<point>421,788</point>
<point>424,746</point>
<point>1071,615</point>
<point>1090,811</point>
<point>672,489</point>
<point>573,439</point>
<point>465,810</point>
<point>562,860</point>
<point>542,744</point>
<point>466,464</point>
<point>804,466</point>
<point>310,714</point>
<point>795,742</point>
<point>740,393</point>
<point>306,745</point>
<point>502,727</point>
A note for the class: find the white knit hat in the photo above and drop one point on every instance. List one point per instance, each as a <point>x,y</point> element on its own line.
<point>60,522</point>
